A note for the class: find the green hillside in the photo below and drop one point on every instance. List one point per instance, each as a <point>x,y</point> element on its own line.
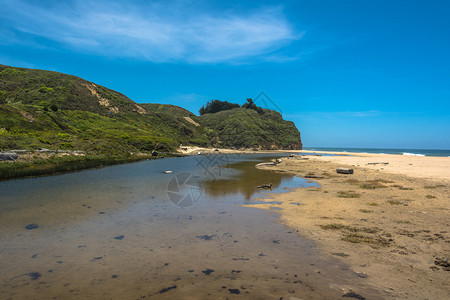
<point>63,113</point>
<point>247,128</point>
<point>43,109</point>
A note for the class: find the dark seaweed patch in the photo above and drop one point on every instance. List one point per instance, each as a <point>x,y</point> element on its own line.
<point>234,291</point>
<point>119,237</point>
<point>341,254</point>
<point>31,226</point>
<point>353,295</point>
<point>208,271</point>
<point>114,276</point>
<point>206,237</point>
<point>164,290</point>
<point>34,275</point>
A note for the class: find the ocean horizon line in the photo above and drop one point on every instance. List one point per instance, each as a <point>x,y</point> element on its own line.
<point>398,151</point>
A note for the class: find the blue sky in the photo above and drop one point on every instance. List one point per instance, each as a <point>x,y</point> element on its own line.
<point>348,73</point>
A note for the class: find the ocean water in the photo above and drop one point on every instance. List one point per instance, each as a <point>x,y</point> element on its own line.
<point>413,152</point>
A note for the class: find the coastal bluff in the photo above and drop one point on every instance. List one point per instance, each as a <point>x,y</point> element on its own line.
<point>50,110</point>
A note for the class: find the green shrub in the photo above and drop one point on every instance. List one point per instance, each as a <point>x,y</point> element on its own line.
<point>2,96</point>
<point>66,146</point>
<point>348,194</point>
<point>10,72</point>
<point>45,90</point>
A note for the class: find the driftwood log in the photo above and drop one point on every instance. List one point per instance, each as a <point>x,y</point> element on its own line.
<point>265,186</point>
<point>344,171</point>
<point>313,176</point>
<point>8,156</point>
<point>266,164</point>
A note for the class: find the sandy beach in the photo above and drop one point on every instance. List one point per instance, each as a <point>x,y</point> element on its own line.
<point>389,221</point>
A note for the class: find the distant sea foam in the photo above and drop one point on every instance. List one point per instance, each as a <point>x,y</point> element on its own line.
<point>413,154</point>
<point>409,152</point>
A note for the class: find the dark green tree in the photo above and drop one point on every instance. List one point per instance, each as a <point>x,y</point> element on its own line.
<point>214,106</point>
<point>251,105</point>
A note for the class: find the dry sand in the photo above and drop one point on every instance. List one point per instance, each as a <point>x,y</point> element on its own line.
<point>389,222</point>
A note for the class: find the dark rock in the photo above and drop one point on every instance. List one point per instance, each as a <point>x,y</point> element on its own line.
<point>8,156</point>
<point>208,271</point>
<point>119,237</point>
<point>234,291</point>
<point>31,226</point>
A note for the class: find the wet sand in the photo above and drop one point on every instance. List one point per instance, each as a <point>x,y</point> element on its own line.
<point>389,222</point>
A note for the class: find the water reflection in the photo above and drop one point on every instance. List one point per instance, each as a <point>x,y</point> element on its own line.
<point>243,179</point>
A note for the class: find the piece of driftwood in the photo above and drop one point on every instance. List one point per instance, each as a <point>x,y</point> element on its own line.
<point>344,171</point>
<point>265,186</point>
<point>378,163</point>
<point>266,164</point>
<point>8,156</point>
<point>313,176</point>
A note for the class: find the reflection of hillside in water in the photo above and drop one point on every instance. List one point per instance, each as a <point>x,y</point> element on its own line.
<point>244,183</point>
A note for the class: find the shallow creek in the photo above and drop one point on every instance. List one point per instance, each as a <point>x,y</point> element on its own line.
<point>132,231</point>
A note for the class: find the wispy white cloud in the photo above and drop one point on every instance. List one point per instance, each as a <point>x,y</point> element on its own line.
<point>156,31</point>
